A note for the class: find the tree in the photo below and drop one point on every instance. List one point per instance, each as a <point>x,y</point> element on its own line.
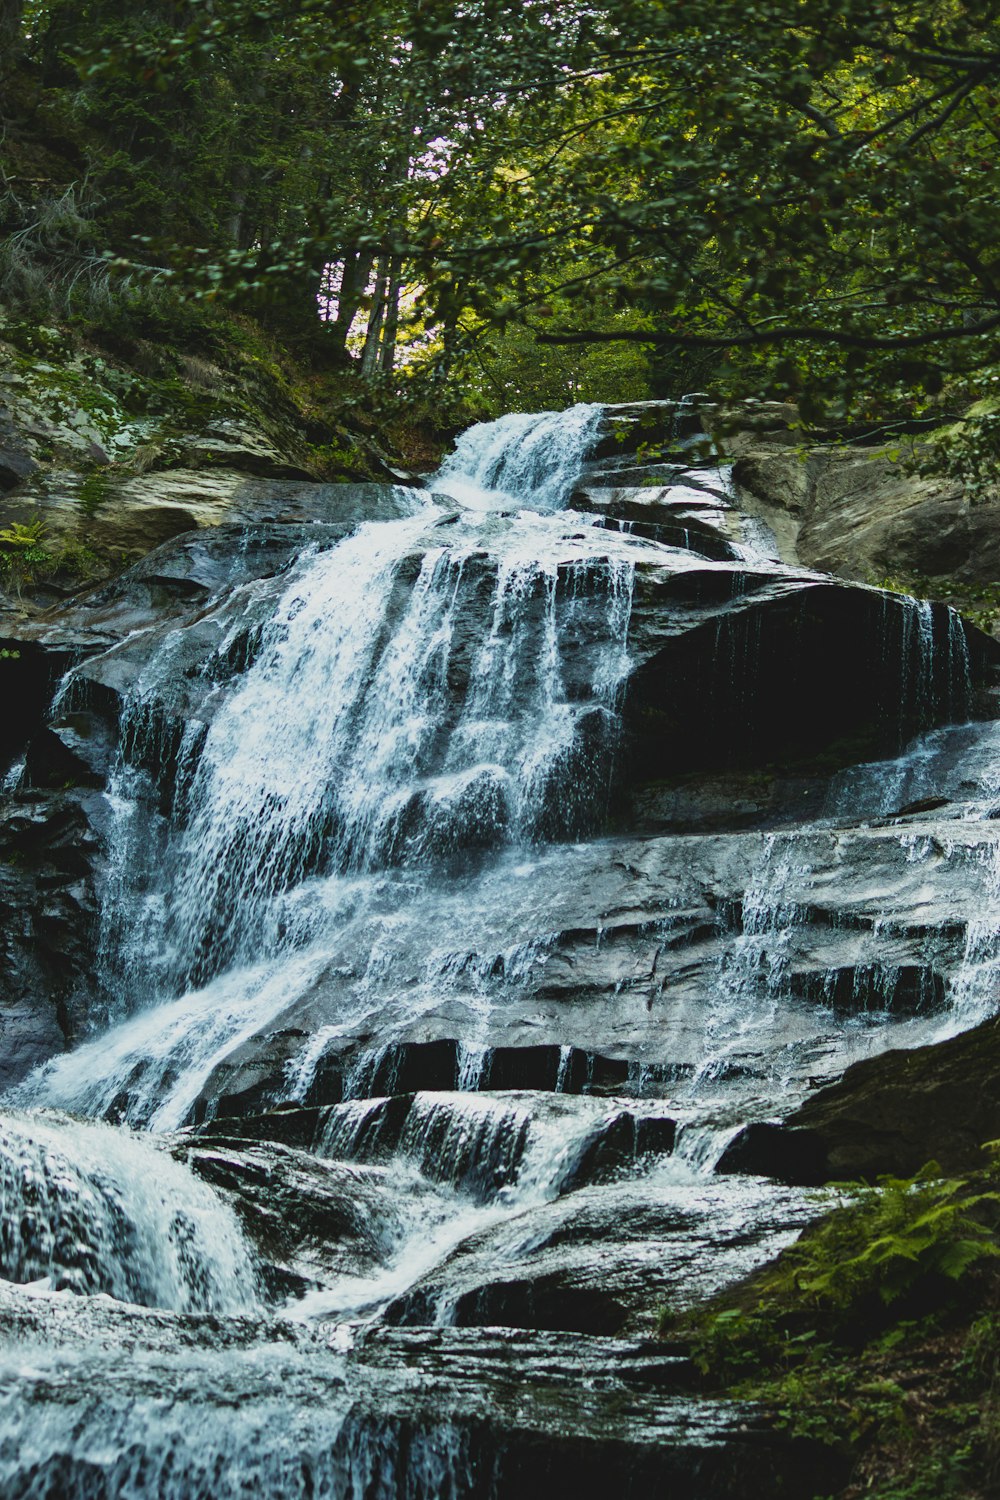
<point>790,196</point>
<point>805,190</point>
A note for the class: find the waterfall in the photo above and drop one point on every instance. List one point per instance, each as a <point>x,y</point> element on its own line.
<point>523,459</point>
<point>425,690</point>
<point>456,1029</point>
<point>389,718</point>
<point>87,1208</point>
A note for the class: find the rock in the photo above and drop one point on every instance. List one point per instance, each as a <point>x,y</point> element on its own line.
<point>698,645</point>
<point>49,991</point>
<point>16,462</point>
<point>636,945</point>
<point>544,1303</point>
<point>134,514</point>
<point>866,517</point>
<point>312,1221</point>
<point>476,1143</point>
<point>894,1113</point>
<point>771,1149</point>
<point>443,1064</point>
<point>604,965</point>
<point>855,512</point>
<point>779,477</point>
<point>115,458</point>
<point>606,1258</point>
<point>488,1414</point>
<point>679,514</point>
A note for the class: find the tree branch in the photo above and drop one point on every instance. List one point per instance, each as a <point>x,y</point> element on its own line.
<point>787,335</point>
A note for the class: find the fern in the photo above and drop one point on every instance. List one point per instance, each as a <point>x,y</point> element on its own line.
<point>897,1243</point>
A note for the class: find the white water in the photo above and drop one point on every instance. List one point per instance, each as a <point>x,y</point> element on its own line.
<point>428,688</point>
<point>521,459</point>
<point>88,1208</point>
<point>341,751</point>
<point>344,752</point>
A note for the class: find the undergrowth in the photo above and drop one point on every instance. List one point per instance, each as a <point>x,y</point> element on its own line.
<point>877,1333</point>
<point>28,559</point>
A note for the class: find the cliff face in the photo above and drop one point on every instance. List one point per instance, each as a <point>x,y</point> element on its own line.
<point>859,509</point>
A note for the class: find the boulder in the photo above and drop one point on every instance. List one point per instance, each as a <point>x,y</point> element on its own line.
<point>857,513</point>
<point>889,1115</point>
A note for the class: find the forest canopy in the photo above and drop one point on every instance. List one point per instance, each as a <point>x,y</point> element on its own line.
<point>540,200</point>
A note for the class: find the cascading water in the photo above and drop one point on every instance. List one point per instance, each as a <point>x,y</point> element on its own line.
<point>358,865</point>
<point>521,459</point>
<point>92,1209</point>
<point>422,691</point>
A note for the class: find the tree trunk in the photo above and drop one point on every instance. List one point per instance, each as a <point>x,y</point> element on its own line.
<point>391,326</point>
<point>370,353</point>
<point>353,285</point>
<point>11,12</point>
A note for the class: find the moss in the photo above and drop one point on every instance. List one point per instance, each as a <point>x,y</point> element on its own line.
<point>341,460</point>
<point>979,603</point>
<point>36,339</point>
<point>94,490</point>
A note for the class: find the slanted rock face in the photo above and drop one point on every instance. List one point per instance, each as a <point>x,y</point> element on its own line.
<point>856,512</point>
<point>888,1115</point>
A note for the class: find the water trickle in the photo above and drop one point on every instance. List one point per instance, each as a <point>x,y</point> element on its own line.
<point>754,964</point>
<point>937,682</point>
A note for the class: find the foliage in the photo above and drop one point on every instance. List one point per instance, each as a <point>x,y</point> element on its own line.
<point>27,558</point>
<point>781,197</point>
<point>968,452</point>
<point>870,1335</point>
<point>887,1250</point>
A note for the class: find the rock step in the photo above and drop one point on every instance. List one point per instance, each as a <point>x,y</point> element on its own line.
<point>409,1415</point>
<point>478,1143</point>
<point>444,1065</point>
<point>886,1115</point>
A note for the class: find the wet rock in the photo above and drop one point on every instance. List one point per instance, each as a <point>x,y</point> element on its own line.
<point>310,1220</point>
<point>716,671</point>
<point>16,461</point>
<point>480,1414</point>
<point>446,1064</point>
<point>685,513</point>
<point>48,929</point>
<point>546,1303</point>
<point>418,1065</point>
<point>617,1143</point>
<point>476,1143</point>
<point>643,941</point>
<point>610,1255</point>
